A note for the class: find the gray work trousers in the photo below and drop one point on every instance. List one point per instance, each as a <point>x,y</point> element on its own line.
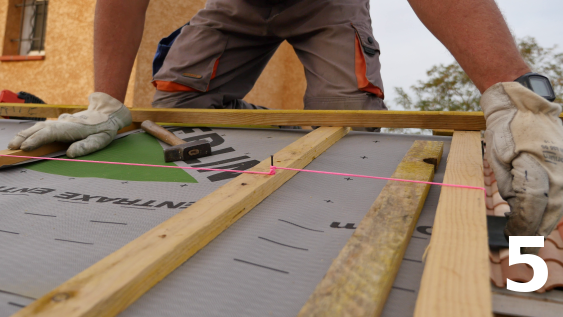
<point>214,61</point>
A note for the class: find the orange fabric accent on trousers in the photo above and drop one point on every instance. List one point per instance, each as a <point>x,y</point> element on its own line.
<point>170,86</point>
<point>363,82</point>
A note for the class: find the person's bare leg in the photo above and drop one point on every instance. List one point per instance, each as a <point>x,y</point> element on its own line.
<point>475,32</point>
<point>118,30</point>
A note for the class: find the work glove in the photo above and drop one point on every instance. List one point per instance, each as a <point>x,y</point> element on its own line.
<point>92,129</point>
<point>525,149</point>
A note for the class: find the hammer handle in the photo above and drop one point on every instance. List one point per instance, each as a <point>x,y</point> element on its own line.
<point>161,133</point>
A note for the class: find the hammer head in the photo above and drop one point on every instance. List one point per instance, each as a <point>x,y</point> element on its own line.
<point>187,151</point>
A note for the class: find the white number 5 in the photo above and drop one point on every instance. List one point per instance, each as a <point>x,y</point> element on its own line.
<point>537,263</point>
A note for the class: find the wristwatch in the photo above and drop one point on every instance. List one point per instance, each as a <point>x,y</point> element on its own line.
<point>538,84</point>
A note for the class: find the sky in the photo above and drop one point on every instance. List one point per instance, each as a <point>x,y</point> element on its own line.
<point>408,49</point>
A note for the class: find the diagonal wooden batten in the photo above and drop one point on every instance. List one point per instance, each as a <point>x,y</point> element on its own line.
<point>45,149</point>
<point>360,278</point>
<point>455,281</point>
<point>111,285</point>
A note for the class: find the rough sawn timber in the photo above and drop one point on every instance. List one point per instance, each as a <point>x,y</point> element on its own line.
<point>455,281</point>
<point>453,120</point>
<point>109,286</point>
<point>46,149</point>
<point>360,278</point>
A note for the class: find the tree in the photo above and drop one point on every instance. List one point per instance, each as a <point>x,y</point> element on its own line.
<point>448,87</point>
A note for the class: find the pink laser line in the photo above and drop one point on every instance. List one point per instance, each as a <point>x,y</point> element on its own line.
<point>383,178</point>
<point>271,172</point>
<point>136,164</point>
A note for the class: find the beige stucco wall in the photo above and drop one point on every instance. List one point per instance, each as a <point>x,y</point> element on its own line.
<point>66,74</point>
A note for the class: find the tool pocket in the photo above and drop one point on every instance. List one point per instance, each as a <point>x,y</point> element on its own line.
<point>163,48</point>
<point>367,63</point>
<point>189,59</point>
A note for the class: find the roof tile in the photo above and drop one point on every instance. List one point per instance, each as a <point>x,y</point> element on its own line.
<point>554,278</point>
<point>552,252</point>
<point>501,209</point>
<point>556,238</point>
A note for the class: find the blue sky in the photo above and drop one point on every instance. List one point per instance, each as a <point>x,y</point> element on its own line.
<point>408,49</point>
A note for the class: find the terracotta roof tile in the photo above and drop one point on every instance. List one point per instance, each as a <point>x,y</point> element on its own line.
<point>552,252</point>
<point>556,238</point>
<point>494,256</point>
<point>517,272</point>
<point>554,278</point>
<point>487,171</point>
<point>503,253</point>
<point>489,191</point>
<point>497,200</point>
<point>501,209</point>
<point>489,202</point>
<point>490,179</point>
<point>494,188</point>
<point>496,275</point>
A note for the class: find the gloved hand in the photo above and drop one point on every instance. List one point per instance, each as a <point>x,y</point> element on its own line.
<point>93,129</point>
<point>525,149</point>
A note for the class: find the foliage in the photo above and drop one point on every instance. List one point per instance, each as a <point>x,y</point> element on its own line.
<point>448,87</point>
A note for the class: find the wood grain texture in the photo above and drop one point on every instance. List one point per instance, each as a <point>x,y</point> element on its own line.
<point>455,281</point>
<point>360,278</point>
<point>47,149</point>
<point>357,118</point>
<point>44,150</point>
<point>443,132</point>
<point>112,284</point>
<point>37,110</point>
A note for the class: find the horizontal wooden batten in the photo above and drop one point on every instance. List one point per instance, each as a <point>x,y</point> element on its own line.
<point>451,120</point>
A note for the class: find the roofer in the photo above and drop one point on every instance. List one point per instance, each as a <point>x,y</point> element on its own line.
<point>215,59</point>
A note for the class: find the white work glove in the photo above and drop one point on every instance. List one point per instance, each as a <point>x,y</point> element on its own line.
<point>92,129</point>
<point>525,149</point>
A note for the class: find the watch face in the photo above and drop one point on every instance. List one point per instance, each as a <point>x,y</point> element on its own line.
<point>541,86</point>
<point>538,84</point>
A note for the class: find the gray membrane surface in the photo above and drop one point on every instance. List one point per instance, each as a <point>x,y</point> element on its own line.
<point>266,264</point>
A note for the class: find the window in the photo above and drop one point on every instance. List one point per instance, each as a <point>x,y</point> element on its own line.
<point>33,21</point>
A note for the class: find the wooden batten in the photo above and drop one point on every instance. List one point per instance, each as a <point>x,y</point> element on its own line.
<point>455,281</point>
<point>46,149</point>
<point>42,151</point>
<point>336,118</point>
<point>111,285</point>
<point>360,278</point>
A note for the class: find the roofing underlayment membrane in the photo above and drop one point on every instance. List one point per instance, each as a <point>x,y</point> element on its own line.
<point>59,218</point>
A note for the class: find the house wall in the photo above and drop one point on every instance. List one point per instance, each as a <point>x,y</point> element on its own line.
<point>66,75</point>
